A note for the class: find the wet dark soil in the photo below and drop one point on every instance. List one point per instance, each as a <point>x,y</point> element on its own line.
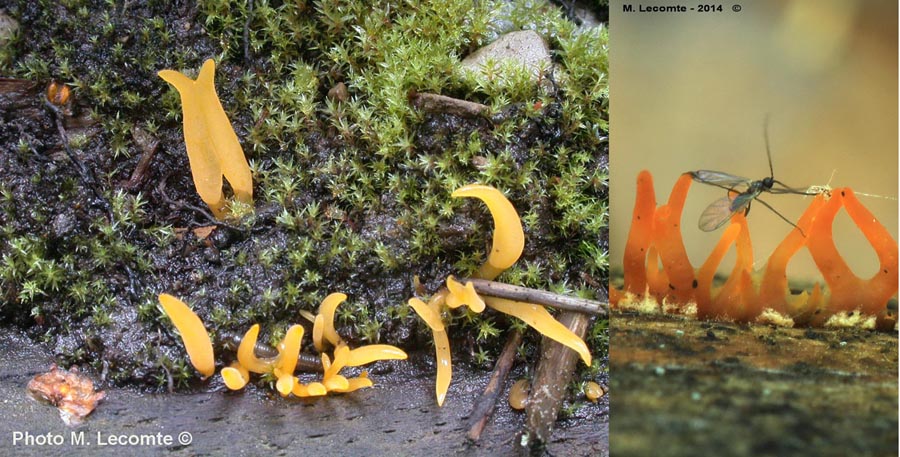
<point>685,387</point>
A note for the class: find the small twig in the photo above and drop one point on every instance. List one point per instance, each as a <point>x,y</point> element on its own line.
<point>247,33</point>
<point>484,406</point>
<point>87,178</point>
<point>434,103</point>
<point>148,149</point>
<point>540,297</point>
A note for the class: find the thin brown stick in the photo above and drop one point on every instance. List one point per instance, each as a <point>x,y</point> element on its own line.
<point>484,406</point>
<point>434,103</point>
<point>540,297</point>
<point>148,145</point>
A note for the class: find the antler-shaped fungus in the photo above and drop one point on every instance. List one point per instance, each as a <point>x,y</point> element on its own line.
<point>212,146</point>
<point>655,237</point>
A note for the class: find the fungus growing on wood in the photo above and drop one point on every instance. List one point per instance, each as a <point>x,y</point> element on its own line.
<point>212,146</point>
<point>324,327</point>
<point>235,376</point>
<point>463,295</point>
<point>193,334</point>
<point>432,318</point>
<point>507,245</point>
<point>748,295</point>
<point>537,317</point>
<point>282,366</point>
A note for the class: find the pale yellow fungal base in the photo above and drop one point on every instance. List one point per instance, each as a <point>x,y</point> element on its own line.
<point>212,146</point>
<point>235,376</point>
<point>537,317</point>
<point>593,391</point>
<point>509,238</point>
<point>463,295</point>
<point>290,350</point>
<point>518,394</point>
<point>367,354</point>
<point>430,316</point>
<point>247,355</point>
<point>193,334</point>
<point>319,332</point>
<point>441,346</point>
<point>326,309</point>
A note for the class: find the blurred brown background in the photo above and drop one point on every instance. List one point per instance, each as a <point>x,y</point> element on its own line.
<point>691,90</point>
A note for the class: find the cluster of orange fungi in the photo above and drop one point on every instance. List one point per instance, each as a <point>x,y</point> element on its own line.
<point>655,239</point>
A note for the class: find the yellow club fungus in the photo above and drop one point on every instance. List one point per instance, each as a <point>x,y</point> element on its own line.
<point>212,146</point>
<point>318,332</point>
<point>537,317</point>
<point>509,239</point>
<point>341,353</point>
<point>235,376</point>
<point>463,295</point>
<point>518,394</point>
<point>288,352</point>
<point>593,391</point>
<point>247,356</point>
<point>193,334</point>
<point>313,389</point>
<point>441,346</point>
<point>507,245</point>
<point>357,383</point>
<point>367,354</point>
<point>331,379</point>
<point>326,310</point>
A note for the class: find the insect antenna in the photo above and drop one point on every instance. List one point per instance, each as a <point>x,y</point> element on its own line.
<point>768,150</point>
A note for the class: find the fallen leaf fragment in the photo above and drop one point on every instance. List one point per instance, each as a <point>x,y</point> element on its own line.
<point>70,391</point>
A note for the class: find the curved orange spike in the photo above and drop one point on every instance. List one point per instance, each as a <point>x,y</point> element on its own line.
<point>773,289</point>
<point>707,272</point>
<point>669,244</point>
<point>640,235</point>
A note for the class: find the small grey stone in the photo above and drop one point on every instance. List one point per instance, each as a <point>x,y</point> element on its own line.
<point>8,28</point>
<point>525,47</point>
<point>63,225</point>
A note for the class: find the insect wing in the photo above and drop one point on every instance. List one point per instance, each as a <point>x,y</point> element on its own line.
<point>718,178</point>
<point>716,214</point>
<point>741,201</point>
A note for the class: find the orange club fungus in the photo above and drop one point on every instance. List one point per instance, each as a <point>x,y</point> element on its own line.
<point>282,366</point>
<point>506,248</point>
<point>212,146</point>
<point>747,295</point>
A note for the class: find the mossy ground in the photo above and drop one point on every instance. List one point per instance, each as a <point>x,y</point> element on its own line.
<point>351,195</point>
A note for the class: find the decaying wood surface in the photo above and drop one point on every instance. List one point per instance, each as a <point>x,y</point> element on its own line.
<point>553,373</point>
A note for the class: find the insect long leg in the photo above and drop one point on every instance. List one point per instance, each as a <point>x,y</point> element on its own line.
<point>782,216</point>
<point>786,189</point>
